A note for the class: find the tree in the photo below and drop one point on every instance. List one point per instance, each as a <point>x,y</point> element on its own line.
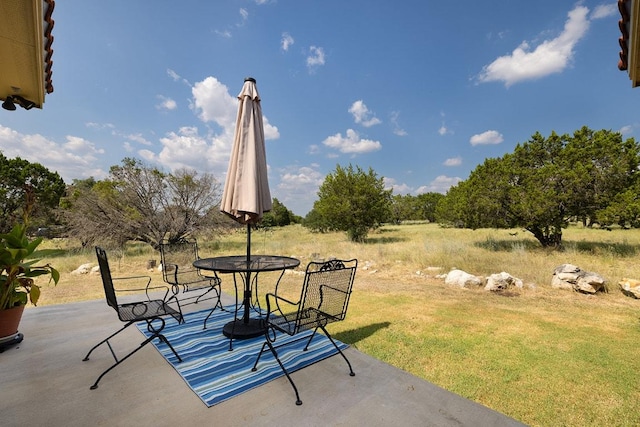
<point>425,206</point>
<point>607,166</point>
<point>544,183</point>
<point>279,216</point>
<point>352,200</point>
<point>315,222</point>
<point>415,208</point>
<point>139,202</point>
<point>16,175</point>
<point>623,210</point>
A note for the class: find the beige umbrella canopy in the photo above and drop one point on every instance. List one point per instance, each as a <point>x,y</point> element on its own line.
<point>246,193</point>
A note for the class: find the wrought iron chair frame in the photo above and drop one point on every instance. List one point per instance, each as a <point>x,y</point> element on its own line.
<point>191,279</point>
<point>324,299</point>
<point>149,311</point>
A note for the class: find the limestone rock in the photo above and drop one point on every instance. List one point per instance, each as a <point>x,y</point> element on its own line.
<point>462,279</point>
<point>569,276</point>
<point>630,287</point>
<point>502,281</point>
<point>83,269</point>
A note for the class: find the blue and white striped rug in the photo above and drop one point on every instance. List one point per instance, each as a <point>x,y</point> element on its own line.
<point>216,374</point>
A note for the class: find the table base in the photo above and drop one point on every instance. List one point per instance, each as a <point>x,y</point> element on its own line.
<point>238,329</point>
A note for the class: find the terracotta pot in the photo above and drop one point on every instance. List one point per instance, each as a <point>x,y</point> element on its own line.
<point>9,320</point>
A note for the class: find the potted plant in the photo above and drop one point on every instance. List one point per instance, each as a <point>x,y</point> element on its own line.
<point>17,273</point>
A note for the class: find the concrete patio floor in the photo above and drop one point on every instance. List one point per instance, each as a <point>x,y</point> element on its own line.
<point>44,382</point>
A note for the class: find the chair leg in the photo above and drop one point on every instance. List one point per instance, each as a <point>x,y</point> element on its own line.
<point>166,341</point>
<point>295,389</point>
<point>145,342</point>
<point>155,334</point>
<point>306,347</point>
<point>106,340</point>
<point>218,304</point>
<point>351,373</point>
<point>255,365</point>
<point>211,289</point>
<point>179,317</point>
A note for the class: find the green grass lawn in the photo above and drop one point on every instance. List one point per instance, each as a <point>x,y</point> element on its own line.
<point>540,355</point>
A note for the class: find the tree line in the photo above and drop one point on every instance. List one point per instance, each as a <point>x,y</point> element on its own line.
<point>546,182</point>
<point>588,176</point>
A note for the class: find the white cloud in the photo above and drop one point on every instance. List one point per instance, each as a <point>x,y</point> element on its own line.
<point>224,33</point>
<point>604,11</point>
<point>549,57</point>
<point>441,184</point>
<point>137,137</point>
<point>454,161</point>
<point>298,187</point>
<point>444,130</point>
<point>148,156</point>
<point>392,184</point>
<point>351,143</point>
<point>99,126</point>
<point>173,74</point>
<point>307,177</point>
<point>626,130</point>
<point>270,131</point>
<point>397,130</point>
<point>490,137</point>
<point>286,41</point>
<point>186,148</point>
<point>176,77</point>
<point>214,104</point>
<point>166,103</point>
<point>209,152</point>
<point>244,13</point>
<point>75,157</point>
<point>362,115</point>
<point>315,58</point>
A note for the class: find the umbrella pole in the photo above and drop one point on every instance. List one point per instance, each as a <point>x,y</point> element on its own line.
<point>247,288</point>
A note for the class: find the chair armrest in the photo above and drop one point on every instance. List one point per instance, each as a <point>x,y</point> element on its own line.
<point>138,278</point>
<point>279,298</point>
<point>276,302</point>
<point>146,289</point>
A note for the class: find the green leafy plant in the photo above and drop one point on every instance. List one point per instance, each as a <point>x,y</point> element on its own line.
<point>17,269</point>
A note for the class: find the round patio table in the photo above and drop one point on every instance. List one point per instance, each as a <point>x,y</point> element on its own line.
<point>246,326</point>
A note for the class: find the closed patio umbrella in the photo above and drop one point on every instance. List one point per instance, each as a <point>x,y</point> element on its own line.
<point>246,193</point>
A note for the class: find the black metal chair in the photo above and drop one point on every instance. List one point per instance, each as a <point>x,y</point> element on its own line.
<point>324,299</point>
<point>188,284</point>
<point>149,310</point>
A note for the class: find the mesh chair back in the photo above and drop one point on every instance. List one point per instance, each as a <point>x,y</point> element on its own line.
<point>177,262</point>
<point>325,293</point>
<point>107,281</point>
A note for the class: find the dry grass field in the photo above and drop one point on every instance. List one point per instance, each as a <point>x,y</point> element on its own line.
<point>541,355</point>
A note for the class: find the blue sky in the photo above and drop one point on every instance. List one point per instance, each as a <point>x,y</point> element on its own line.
<point>421,91</point>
